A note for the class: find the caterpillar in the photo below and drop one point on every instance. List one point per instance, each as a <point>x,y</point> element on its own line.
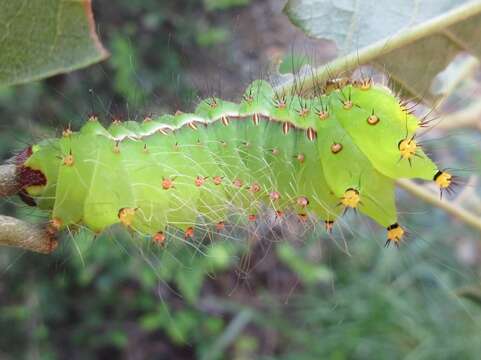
<point>337,150</point>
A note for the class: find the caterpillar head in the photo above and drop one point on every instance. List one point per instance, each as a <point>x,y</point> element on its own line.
<point>29,179</point>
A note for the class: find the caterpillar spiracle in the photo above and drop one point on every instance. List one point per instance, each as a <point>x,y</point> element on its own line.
<point>322,155</point>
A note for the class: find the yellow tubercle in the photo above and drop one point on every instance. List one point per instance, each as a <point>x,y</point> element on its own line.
<point>347,105</point>
<point>443,179</point>
<point>69,160</point>
<point>126,216</point>
<point>372,120</point>
<point>395,234</point>
<point>67,132</point>
<point>365,84</point>
<point>56,224</point>
<point>407,148</point>
<point>351,198</point>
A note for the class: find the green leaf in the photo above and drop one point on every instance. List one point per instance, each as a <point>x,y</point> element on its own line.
<point>124,60</point>
<point>212,5</point>
<point>308,273</point>
<point>118,338</point>
<point>40,38</point>
<point>151,322</point>
<point>212,36</point>
<point>411,41</point>
<point>184,322</point>
<point>218,257</point>
<point>190,283</point>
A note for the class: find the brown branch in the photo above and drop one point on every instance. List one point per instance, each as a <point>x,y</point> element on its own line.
<point>464,70</point>
<point>8,183</point>
<point>20,234</point>
<point>433,199</point>
<point>469,117</point>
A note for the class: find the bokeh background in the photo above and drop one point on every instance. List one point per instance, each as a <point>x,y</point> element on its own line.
<point>290,292</point>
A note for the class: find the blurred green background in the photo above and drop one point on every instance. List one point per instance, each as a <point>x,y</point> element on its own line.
<point>286,294</point>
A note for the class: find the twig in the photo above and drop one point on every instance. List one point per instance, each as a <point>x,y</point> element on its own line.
<point>8,183</point>
<point>469,117</point>
<point>379,48</point>
<point>230,334</point>
<point>464,70</point>
<point>20,234</point>
<point>428,196</point>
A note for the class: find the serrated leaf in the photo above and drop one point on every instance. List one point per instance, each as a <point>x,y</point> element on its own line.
<point>410,40</point>
<point>40,38</point>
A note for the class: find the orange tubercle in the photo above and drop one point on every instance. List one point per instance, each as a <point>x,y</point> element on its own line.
<point>189,233</point>
<point>302,201</point>
<point>199,181</point>
<point>167,183</point>
<point>220,226</point>
<point>238,183</point>
<point>255,188</point>
<point>217,180</point>
<point>159,238</point>
<point>274,196</point>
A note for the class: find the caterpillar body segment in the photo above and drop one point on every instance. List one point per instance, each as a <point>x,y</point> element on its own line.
<point>323,155</point>
<point>382,141</point>
<point>349,168</point>
<point>313,183</point>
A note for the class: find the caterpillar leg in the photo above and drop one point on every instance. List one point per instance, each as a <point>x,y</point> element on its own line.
<point>329,225</point>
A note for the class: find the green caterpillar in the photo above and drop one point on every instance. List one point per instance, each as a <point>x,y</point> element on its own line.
<point>322,154</point>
